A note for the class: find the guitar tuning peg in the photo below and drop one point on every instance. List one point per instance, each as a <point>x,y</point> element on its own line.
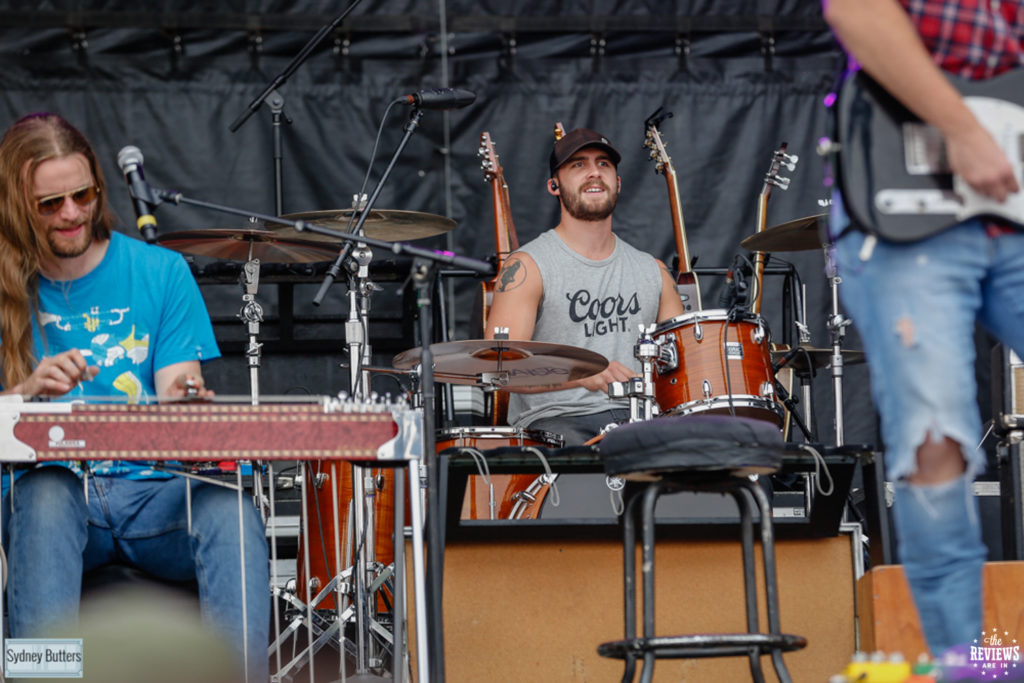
<point>789,161</point>
<point>782,182</point>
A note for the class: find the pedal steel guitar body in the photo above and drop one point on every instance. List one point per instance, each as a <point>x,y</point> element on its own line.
<point>202,431</point>
<point>893,171</point>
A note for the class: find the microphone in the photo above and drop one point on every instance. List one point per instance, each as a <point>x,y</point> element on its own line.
<point>789,355</point>
<point>130,161</point>
<point>727,298</point>
<point>440,98</point>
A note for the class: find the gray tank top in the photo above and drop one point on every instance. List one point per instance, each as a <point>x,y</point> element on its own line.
<point>595,305</point>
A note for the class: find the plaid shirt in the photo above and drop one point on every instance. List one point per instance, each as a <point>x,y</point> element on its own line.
<point>974,39</point>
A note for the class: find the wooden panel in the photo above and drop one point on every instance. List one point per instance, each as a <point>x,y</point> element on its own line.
<point>888,619</point>
<point>537,610</point>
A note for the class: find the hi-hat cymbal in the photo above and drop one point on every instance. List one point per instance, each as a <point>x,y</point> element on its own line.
<point>246,243</point>
<point>241,244</point>
<point>818,358</point>
<point>381,224</point>
<point>494,362</point>
<point>801,234</point>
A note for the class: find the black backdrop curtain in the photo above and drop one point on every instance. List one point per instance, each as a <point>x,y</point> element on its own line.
<point>739,77</point>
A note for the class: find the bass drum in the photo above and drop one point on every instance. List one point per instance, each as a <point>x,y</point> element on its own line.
<point>712,364</point>
<point>515,496</point>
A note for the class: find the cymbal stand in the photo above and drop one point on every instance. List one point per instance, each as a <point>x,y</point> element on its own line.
<point>804,337</point>
<point>251,315</point>
<point>359,352</point>
<point>837,324</point>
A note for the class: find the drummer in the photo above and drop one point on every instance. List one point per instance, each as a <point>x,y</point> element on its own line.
<point>581,285</point>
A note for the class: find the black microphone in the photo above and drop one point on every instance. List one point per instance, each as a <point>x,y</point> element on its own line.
<point>130,161</point>
<point>789,355</point>
<point>727,298</point>
<point>440,98</point>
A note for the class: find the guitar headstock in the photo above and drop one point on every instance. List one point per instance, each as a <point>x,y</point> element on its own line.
<point>653,141</point>
<point>780,160</point>
<point>488,158</point>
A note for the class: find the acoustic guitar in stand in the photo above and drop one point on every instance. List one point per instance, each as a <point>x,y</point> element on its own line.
<point>686,280</point>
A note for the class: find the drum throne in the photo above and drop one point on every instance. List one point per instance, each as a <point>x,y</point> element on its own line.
<point>706,453</point>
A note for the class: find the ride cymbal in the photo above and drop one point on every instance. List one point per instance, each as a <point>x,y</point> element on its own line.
<point>246,243</point>
<point>381,224</point>
<point>801,234</point>
<point>505,362</point>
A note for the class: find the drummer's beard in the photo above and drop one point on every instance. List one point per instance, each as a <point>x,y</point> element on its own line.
<point>590,208</point>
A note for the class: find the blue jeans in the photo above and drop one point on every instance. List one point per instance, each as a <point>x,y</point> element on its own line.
<point>915,306</point>
<point>54,535</point>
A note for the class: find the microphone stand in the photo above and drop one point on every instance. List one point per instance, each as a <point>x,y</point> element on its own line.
<point>429,622</point>
<point>364,211</point>
<point>292,67</point>
<point>275,101</point>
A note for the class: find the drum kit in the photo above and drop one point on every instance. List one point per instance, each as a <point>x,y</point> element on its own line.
<point>706,361</point>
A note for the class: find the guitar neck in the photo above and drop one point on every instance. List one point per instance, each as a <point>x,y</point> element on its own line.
<point>762,218</point>
<point>687,285</point>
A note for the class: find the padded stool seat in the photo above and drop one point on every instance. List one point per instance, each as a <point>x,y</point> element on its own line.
<point>716,453</point>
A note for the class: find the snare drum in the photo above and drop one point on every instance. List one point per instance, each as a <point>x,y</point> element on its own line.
<point>516,496</point>
<point>711,364</point>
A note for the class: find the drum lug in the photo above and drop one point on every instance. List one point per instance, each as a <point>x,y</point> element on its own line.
<point>767,390</point>
<point>705,388</point>
<point>759,333</point>
<point>698,331</point>
<point>668,356</point>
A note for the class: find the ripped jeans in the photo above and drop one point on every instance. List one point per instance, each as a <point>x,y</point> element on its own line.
<point>915,306</point>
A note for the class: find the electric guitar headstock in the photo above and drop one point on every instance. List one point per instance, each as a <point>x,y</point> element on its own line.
<point>489,158</point>
<point>780,160</point>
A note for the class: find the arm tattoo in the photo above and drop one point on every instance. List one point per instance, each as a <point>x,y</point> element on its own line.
<point>511,276</point>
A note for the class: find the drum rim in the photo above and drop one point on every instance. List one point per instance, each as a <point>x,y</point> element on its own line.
<point>738,400</point>
<point>708,315</point>
<point>545,437</point>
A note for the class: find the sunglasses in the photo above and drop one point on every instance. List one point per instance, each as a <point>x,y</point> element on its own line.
<point>83,197</point>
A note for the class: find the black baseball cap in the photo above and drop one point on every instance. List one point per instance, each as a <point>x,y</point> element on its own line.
<point>574,141</point>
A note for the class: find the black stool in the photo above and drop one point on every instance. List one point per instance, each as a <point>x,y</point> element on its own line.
<point>696,453</point>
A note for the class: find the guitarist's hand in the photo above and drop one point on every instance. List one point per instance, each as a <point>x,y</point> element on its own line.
<point>975,157</point>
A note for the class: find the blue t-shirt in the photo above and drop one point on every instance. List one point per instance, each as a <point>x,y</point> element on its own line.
<point>138,311</point>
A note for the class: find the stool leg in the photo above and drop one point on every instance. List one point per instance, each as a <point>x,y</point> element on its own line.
<point>651,494</point>
<point>749,578</point>
<point>770,582</point>
<point>633,494</point>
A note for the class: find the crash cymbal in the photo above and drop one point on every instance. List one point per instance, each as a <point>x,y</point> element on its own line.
<point>818,358</point>
<point>381,224</point>
<point>493,362</point>
<point>801,234</point>
<point>245,243</point>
